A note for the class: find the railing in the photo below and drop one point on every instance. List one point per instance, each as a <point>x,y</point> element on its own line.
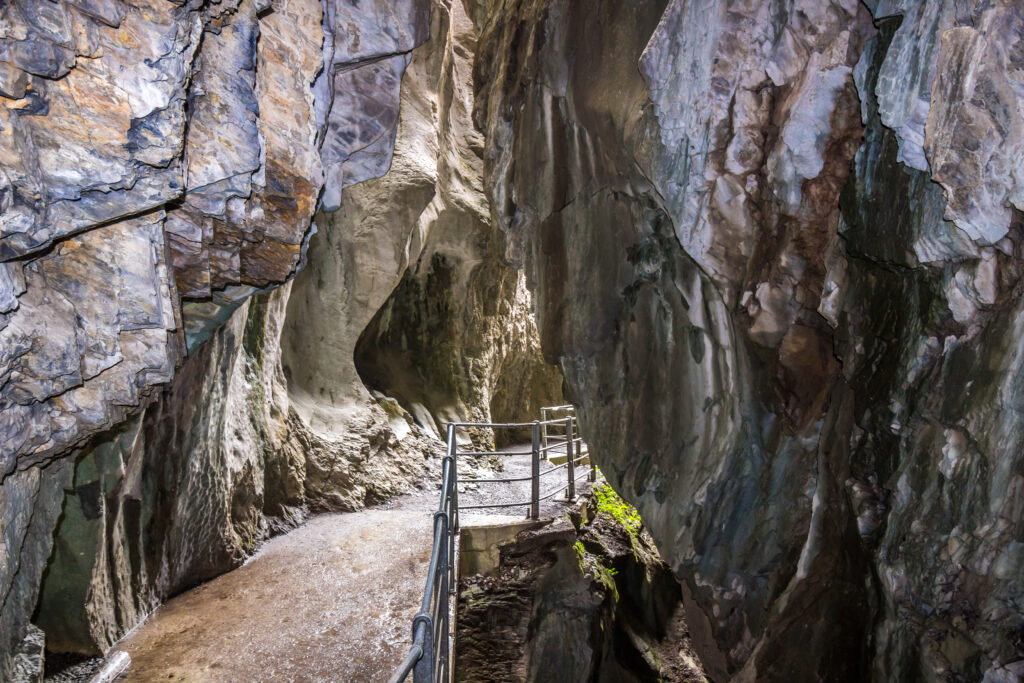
<point>545,436</point>
<point>429,658</point>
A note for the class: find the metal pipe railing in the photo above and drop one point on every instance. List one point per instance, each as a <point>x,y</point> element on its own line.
<point>429,659</point>
<point>535,473</point>
<point>570,436</point>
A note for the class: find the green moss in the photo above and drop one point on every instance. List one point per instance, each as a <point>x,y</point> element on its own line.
<point>612,504</point>
<point>602,574</point>
<point>391,407</point>
<point>606,577</point>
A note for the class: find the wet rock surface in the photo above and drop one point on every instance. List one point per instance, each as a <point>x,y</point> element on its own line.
<point>581,599</point>
<point>773,248</point>
<point>330,601</point>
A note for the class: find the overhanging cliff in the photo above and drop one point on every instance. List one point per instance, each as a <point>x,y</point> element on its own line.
<point>775,249</point>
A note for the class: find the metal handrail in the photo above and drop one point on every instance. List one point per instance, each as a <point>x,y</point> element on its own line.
<point>508,425</point>
<point>429,657</point>
<point>495,452</point>
<point>498,481</point>
<point>495,506</point>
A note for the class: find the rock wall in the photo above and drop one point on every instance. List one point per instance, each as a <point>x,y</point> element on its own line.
<point>774,248</point>
<point>188,490</point>
<point>156,150</point>
<point>161,161</point>
<point>257,415</point>
<point>405,289</point>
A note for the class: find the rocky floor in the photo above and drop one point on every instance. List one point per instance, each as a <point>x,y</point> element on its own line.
<point>584,598</point>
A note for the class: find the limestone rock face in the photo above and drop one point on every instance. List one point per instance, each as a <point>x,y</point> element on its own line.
<point>456,336</point>
<point>166,149</point>
<point>773,247</point>
<point>161,161</point>
<point>405,290</point>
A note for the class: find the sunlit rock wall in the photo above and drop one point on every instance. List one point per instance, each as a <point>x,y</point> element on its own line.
<point>405,291</point>
<point>774,248</point>
<point>161,161</point>
<point>456,337</point>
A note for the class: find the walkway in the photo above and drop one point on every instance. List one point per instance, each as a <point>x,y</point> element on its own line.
<point>330,601</point>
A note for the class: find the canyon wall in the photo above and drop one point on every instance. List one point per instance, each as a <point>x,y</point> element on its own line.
<point>161,162</point>
<point>775,249</point>
<point>165,405</point>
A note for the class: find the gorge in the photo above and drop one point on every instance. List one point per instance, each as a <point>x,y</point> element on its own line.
<point>256,254</point>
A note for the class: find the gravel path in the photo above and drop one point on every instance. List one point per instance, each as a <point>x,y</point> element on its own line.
<point>515,461</point>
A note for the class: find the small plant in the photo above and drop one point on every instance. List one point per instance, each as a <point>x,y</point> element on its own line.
<point>580,556</point>
<point>611,503</point>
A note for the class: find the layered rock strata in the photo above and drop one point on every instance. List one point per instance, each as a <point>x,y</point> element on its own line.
<point>161,150</point>
<point>773,247</point>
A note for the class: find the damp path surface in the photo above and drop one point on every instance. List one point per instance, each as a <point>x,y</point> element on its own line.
<point>330,601</point>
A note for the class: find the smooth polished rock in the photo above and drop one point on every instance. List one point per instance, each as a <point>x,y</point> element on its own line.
<point>772,247</point>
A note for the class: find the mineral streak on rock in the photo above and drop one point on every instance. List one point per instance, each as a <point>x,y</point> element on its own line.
<point>773,247</point>
<point>176,149</point>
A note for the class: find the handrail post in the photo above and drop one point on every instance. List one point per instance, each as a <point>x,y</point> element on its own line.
<point>544,432</point>
<point>453,513</point>
<point>570,458</point>
<point>424,670</point>
<point>593,465</point>
<point>535,473</point>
